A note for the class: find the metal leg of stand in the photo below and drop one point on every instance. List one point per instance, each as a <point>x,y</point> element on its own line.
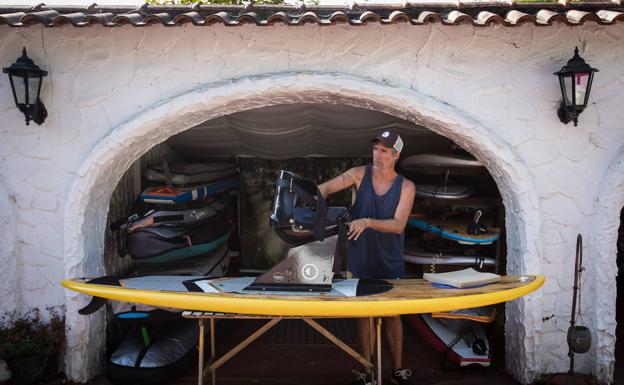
<point>378,337</point>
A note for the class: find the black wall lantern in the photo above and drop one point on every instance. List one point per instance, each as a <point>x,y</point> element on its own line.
<point>25,77</point>
<point>575,79</point>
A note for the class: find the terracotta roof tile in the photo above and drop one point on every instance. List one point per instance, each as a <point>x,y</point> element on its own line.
<point>475,13</point>
<point>485,18</point>
<point>219,17</point>
<point>397,17</point>
<point>546,17</point>
<point>159,18</point>
<point>135,19</point>
<point>427,17</point>
<point>12,19</point>
<point>456,18</point>
<point>516,17</point>
<point>579,17</point>
<point>610,16</point>
<point>248,18</point>
<point>189,17</point>
<point>308,17</point>
<point>40,17</point>
<point>369,17</point>
<point>278,18</point>
<point>105,19</point>
<point>339,17</point>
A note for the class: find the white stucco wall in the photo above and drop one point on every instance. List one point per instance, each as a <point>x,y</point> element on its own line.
<point>9,283</point>
<point>112,93</point>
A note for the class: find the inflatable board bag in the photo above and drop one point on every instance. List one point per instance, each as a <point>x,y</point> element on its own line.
<point>181,174</point>
<point>196,231</point>
<point>153,242</point>
<point>166,195</point>
<point>212,264</point>
<point>155,353</point>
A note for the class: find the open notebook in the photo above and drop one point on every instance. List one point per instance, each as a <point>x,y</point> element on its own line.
<point>462,278</point>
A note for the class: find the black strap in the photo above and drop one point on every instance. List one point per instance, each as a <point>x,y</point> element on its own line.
<point>167,174</point>
<point>340,252</point>
<point>121,237</point>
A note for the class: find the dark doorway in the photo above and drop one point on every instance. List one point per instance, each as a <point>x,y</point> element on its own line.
<point>619,307</point>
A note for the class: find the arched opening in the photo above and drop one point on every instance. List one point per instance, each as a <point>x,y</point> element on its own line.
<point>319,141</point>
<point>91,193</point>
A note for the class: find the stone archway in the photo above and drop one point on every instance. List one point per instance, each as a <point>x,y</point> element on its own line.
<point>601,267</point>
<point>87,203</point>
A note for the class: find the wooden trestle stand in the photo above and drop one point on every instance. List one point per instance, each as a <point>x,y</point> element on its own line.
<point>214,362</point>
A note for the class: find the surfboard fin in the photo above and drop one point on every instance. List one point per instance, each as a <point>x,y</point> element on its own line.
<point>93,306</point>
<point>97,302</point>
<point>476,228</point>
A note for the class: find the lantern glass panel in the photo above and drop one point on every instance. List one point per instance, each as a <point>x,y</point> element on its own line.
<point>567,87</point>
<point>33,89</point>
<point>20,88</point>
<point>581,81</point>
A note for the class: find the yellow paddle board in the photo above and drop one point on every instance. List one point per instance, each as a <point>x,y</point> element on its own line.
<point>394,297</point>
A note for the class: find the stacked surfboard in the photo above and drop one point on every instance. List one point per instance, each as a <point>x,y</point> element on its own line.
<point>466,228</point>
<point>458,335</point>
<point>449,235</point>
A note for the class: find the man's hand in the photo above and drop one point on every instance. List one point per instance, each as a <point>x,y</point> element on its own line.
<point>356,228</point>
<point>394,225</point>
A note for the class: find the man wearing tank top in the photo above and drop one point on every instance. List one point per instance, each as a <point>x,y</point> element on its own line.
<point>383,202</point>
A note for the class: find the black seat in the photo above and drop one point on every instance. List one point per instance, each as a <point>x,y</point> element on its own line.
<point>300,214</point>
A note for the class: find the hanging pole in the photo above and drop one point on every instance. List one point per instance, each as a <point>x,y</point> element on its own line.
<point>577,269</point>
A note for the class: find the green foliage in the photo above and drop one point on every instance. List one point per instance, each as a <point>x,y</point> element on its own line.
<point>28,335</point>
<point>227,2</point>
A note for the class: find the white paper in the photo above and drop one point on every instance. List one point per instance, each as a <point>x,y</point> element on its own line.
<point>206,286</point>
<point>347,287</point>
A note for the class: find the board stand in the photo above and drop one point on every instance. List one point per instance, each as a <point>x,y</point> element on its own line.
<point>214,363</point>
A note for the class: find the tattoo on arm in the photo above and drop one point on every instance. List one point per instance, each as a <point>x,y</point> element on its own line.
<point>348,178</point>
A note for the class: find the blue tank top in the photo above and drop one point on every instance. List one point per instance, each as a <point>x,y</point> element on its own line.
<point>376,254</point>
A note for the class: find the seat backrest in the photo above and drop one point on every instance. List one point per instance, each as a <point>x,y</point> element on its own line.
<point>299,214</point>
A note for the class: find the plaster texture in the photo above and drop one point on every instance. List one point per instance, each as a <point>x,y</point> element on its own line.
<point>112,94</point>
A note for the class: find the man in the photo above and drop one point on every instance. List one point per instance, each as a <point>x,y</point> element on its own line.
<point>383,202</point>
